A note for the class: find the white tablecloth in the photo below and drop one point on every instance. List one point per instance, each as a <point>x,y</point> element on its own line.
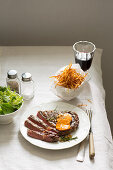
<point>42,62</point>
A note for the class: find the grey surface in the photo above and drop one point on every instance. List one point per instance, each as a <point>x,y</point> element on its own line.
<point>61,22</point>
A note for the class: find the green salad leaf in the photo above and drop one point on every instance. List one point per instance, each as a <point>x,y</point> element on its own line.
<point>9,101</point>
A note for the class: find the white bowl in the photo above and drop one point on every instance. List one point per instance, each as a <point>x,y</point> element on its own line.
<point>66,93</point>
<point>8,118</point>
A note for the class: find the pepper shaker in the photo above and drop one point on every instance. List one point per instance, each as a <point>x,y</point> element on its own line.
<point>12,81</point>
<point>27,86</point>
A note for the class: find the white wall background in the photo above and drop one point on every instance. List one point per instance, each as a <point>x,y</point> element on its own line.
<point>62,22</point>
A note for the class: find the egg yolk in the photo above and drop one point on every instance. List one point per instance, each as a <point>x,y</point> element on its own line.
<point>63,122</point>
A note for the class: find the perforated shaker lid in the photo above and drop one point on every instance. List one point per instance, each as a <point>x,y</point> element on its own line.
<point>26,77</point>
<point>12,74</point>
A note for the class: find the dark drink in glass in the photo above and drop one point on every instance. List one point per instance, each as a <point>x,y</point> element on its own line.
<point>84,64</point>
<point>84,52</point>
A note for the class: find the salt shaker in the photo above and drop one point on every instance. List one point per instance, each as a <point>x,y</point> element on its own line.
<point>27,86</point>
<point>13,81</point>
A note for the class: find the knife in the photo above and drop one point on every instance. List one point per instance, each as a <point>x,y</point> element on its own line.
<point>81,152</point>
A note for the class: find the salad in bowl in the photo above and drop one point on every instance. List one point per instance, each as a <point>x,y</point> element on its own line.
<point>10,104</point>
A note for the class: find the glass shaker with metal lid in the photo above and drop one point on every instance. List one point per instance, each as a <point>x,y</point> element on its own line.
<point>12,81</point>
<point>27,86</point>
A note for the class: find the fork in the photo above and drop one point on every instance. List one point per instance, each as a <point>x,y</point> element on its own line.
<point>91,140</point>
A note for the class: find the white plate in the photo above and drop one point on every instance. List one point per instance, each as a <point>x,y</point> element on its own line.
<point>81,132</point>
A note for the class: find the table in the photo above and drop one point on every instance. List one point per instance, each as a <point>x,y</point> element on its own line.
<point>42,62</point>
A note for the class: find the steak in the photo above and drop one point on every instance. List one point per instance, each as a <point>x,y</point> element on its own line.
<point>43,126</point>
<point>40,123</point>
<point>45,116</point>
<point>50,118</point>
<point>32,126</point>
<point>42,136</point>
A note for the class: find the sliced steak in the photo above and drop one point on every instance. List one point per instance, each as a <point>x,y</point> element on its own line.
<point>40,123</point>
<point>42,136</point>
<point>32,126</point>
<point>43,115</point>
<point>37,121</point>
<point>43,126</point>
<point>50,118</point>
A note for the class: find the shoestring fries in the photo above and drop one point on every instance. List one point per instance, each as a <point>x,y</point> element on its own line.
<point>69,78</point>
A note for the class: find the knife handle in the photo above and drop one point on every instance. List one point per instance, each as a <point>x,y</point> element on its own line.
<point>91,146</point>
<point>81,152</point>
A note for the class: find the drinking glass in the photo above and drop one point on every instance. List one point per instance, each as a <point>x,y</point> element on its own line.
<point>84,52</point>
